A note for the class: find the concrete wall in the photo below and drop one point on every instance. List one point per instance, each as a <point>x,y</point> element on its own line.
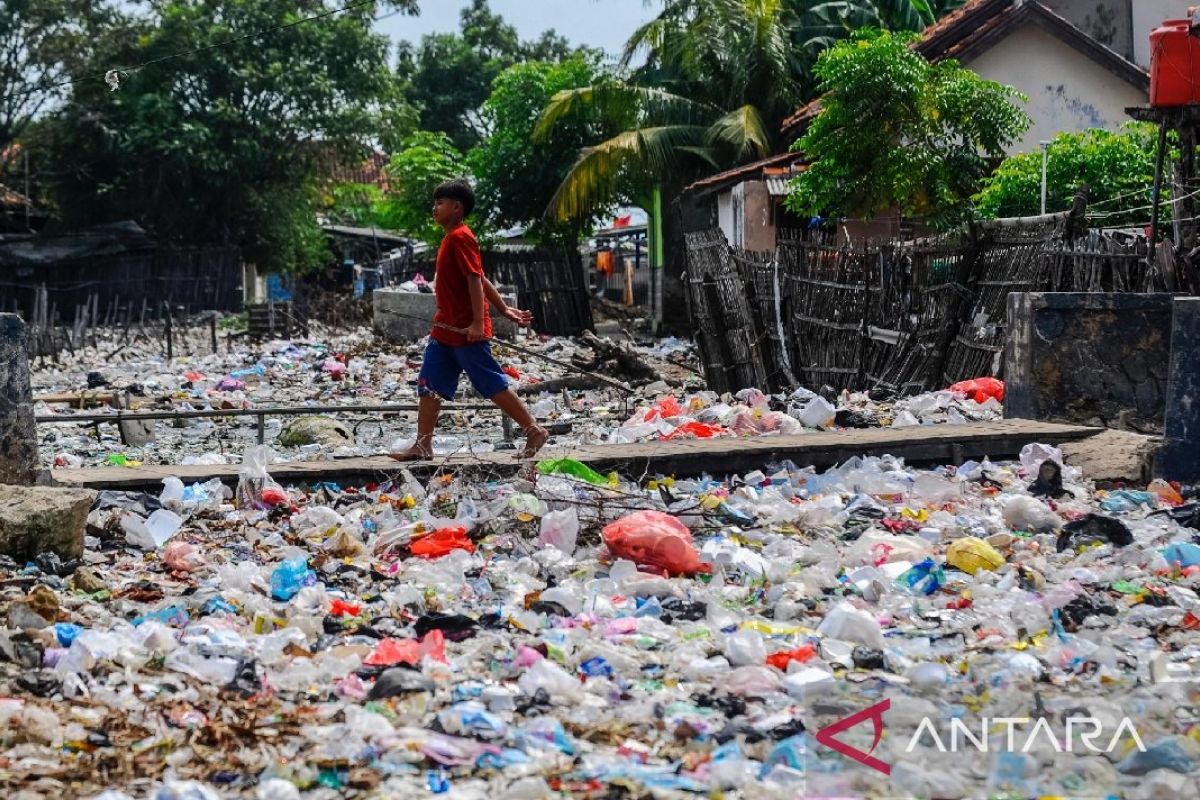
<point>1148,15</point>
<point>403,317</point>
<point>1107,21</point>
<point>1094,359</point>
<point>1067,90</point>
<point>725,214</point>
<point>758,217</point>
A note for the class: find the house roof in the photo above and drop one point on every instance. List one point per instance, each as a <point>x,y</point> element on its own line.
<point>980,24</point>
<point>783,163</point>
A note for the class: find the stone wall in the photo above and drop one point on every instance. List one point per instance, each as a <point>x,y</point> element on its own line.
<point>1094,359</point>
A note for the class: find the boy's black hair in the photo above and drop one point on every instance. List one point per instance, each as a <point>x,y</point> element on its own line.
<point>459,190</point>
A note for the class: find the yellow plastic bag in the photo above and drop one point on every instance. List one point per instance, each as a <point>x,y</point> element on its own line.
<point>971,555</point>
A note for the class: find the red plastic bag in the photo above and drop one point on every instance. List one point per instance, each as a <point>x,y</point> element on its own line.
<point>697,430</point>
<point>654,539</point>
<point>441,542</point>
<point>340,608</point>
<point>274,496</point>
<point>802,653</point>
<point>408,651</point>
<point>665,408</point>
<point>981,389</point>
<point>512,373</point>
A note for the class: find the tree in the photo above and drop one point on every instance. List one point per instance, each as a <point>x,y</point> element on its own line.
<point>40,41</point>
<point>449,76</point>
<point>1117,167</point>
<point>220,144</point>
<point>425,159</point>
<point>729,76</point>
<point>518,174</point>
<point>899,133</point>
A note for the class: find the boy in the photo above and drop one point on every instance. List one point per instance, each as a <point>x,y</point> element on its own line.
<point>462,328</point>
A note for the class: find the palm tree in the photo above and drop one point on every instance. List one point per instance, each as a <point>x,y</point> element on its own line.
<point>718,79</point>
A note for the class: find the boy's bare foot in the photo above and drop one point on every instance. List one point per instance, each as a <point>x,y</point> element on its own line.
<point>413,453</point>
<point>535,439</point>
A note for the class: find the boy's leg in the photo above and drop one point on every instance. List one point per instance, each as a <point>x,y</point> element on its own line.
<point>428,409</point>
<point>490,381</point>
<point>438,379</point>
<point>535,435</point>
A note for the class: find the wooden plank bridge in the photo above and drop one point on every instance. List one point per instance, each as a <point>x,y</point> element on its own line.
<point>931,444</point>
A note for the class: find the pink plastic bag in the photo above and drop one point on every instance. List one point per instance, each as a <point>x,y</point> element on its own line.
<point>408,651</point>
<point>654,539</point>
<point>183,557</point>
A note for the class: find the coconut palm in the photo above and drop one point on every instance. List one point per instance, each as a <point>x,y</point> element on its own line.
<point>717,80</point>
<point>719,77</point>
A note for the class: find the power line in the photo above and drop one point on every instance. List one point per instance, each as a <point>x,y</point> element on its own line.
<point>127,70</point>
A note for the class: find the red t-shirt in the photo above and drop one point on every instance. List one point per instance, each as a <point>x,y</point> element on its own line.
<point>458,257</point>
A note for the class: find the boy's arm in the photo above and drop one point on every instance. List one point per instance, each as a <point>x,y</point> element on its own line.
<point>522,318</point>
<point>493,296</point>
<point>478,307</point>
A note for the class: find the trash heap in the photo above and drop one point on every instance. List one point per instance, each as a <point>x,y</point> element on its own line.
<point>573,634</point>
<point>357,368</point>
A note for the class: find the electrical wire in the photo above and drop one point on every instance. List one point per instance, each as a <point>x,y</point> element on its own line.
<point>1173,200</point>
<point>131,69</point>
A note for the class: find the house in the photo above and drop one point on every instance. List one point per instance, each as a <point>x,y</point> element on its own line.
<point>1072,58</point>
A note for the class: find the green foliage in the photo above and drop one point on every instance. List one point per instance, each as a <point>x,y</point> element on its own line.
<point>518,174</point>
<point>897,132</point>
<point>450,76</point>
<point>40,42</point>
<point>354,204</point>
<point>222,145</point>
<point>425,159</point>
<point>1113,165</point>
<point>719,77</point>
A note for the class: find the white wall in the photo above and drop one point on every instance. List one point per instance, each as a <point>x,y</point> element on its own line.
<point>1148,15</point>
<point>1067,90</point>
<point>725,214</point>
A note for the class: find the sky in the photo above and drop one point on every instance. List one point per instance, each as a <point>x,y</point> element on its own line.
<point>596,23</point>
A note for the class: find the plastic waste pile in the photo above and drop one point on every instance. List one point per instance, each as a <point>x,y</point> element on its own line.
<point>586,635</point>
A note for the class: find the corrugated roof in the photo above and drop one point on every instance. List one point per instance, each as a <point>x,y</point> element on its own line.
<point>737,174</point>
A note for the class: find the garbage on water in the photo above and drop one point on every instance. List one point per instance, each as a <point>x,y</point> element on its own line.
<point>477,633</point>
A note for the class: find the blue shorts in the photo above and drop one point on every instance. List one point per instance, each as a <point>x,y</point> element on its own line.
<point>444,365</point>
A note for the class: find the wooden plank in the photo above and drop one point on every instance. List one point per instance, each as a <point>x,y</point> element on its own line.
<point>942,444</point>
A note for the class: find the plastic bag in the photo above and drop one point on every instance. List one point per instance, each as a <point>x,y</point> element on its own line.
<point>183,557</point>
<point>654,539</point>
<point>971,555</point>
<point>697,430</point>
<point>441,542</point>
<point>256,488</point>
<point>850,624</point>
<point>980,389</point>
<point>573,468</point>
<point>390,652</point>
<point>290,577</point>
<point>560,529</point>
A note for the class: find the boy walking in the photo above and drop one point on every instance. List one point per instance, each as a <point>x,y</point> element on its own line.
<point>462,328</point>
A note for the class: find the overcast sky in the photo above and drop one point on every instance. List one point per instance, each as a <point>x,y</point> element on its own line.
<point>596,23</point>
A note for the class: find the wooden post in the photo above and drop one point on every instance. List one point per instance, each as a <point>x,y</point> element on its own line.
<point>1156,193</point>
<point>170,334</point>
<point>212,330</point>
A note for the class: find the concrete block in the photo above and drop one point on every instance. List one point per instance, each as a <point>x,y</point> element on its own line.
<point>39,519</point>
<point>403,317</point>
<point>1089,358</point>
<point>1179,458</point>
<point>1113,457</point>
<point>18,433</point>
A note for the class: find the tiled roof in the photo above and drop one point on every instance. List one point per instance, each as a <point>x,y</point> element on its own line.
<point>785,162</point>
